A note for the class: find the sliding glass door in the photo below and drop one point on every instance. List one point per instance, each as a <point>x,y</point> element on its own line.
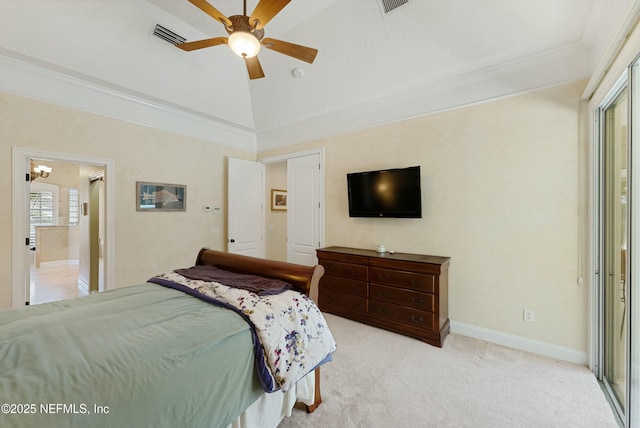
<point>617,360</point>
<point>633,297</point>
<point>614,251</point>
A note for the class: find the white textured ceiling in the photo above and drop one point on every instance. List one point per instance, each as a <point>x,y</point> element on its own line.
<point>425,56</point>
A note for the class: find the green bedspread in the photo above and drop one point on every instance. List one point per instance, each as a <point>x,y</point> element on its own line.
<point>141,356</point>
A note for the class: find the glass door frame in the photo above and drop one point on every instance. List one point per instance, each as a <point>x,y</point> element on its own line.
<point>624,84</point>
<point>633,267</point>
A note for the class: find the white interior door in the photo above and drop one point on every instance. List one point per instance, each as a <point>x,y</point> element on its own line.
<point>303,209</point>
<point>245,202</point>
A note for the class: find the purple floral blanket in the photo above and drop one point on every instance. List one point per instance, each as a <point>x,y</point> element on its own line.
<point>291,337</point>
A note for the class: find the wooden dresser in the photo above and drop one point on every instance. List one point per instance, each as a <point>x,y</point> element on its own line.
<point>405,293</point>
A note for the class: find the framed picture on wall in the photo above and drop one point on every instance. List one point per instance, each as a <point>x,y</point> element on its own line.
<point>278,200</point>
<point>160,197</point>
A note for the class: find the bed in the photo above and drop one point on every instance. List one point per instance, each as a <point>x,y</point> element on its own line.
<point>168,353</point>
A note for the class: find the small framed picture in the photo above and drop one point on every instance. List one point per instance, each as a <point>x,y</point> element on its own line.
<point>160,197</point>
<point>278,200</point>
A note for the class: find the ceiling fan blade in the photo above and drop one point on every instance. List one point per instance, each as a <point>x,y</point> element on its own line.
<point>199,44</point>
<point>266,10</point>
<point>297,51</point>
<point>204,6</point>
<point>254,68</point>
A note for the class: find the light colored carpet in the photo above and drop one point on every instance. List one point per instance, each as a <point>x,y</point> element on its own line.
<point>383,379</point>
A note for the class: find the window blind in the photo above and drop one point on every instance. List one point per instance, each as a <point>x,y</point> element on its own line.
<point>40,212</point>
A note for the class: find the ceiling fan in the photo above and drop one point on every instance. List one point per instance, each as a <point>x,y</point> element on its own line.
<point>246,35</point>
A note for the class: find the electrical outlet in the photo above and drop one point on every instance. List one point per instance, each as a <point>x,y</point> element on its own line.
<point>527,315</point>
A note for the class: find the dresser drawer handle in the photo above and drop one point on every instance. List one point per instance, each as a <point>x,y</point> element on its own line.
<point>382,311</point>
<point>353,304</point>
<point>383,277</point>
<point>417,320</point>
<point>417,283</point>
<point>382,294</point>
<point>355,273</point>
<point>417,301</point>
<point>355,289</point>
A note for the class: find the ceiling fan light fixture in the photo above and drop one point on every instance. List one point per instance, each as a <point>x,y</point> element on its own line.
<point>246,35</point>
<point>244,44</point>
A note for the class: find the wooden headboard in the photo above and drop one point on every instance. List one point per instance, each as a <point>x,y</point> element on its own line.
<point>304,278</point>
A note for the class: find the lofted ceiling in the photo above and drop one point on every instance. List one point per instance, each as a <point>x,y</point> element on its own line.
<point>372,68</point>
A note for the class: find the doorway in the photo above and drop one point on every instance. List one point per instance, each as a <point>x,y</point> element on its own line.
<point>24,256</point>
<point>54,231</point>
<point>614,250</point>
<point>295,233</point>
<point>617,234</point>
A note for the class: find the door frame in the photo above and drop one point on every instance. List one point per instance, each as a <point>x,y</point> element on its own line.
<point>623,83</point>
<point>20,224</point>
<point>320,151</point>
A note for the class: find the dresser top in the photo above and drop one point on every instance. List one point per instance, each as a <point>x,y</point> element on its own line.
<point>418,258</point>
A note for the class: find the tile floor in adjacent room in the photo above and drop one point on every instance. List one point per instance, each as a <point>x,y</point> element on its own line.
<point>55,281</point>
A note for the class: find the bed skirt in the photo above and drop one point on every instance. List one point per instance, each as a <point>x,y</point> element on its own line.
<point>268,410</point>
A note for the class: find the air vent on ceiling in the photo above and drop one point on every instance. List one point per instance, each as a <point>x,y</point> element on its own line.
<point>390,5</point>
<point>168,35</point>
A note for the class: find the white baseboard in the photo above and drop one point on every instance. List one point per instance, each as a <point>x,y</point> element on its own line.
<point>524,344</point>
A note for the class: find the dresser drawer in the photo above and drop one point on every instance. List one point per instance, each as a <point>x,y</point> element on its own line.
<point>401,292</point>
<point>415,299</point>
<point>343,300</point>
<point>395,278</point>
<point>401,314</point>
<point>345,270</point>
<point>345,285</point>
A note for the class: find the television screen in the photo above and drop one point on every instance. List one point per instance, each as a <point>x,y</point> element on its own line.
<point>385,193</point>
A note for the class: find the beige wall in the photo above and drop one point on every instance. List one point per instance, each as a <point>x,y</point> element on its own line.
<point>56,243</point>
<point>500,197</point>
<point>276,221</point>
<point>63,174</point>
<point>147,243</point>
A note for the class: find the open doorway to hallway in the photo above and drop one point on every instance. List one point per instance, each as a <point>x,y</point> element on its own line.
<point>66,229</point>
<point>20,193</point>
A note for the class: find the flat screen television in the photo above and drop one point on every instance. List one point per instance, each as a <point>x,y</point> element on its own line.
<point>385,193</point>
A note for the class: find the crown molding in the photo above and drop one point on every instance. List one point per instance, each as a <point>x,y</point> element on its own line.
<point>551,68</point>
<point>620,54</point>
<point>28,77</point>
